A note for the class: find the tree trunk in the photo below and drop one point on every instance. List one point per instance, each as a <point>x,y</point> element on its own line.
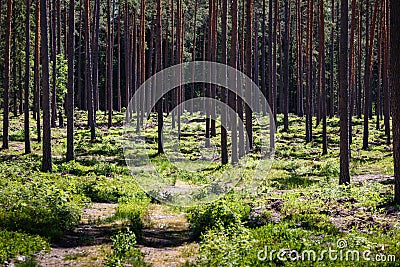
<point>159,64</point>
<point>110,65</point>
<point>309,69</point>
<point>232,80</point>
<point>46,160</point>
<point>299,47</point>
<point>53,27</point>
<point>7,75</point>
<point>344,95</point>
<point>224,134</point>
<point>249,66</point>
<point>368,70</point>
<point>119,102</point>
<point>322,75</point>
<point>395,64</point>
<point>286,42</point>
<point>332,65</point>
<point>88,73</point>
<point>95,59</point>
<point>27,77</point>
<point>70,84</point>
<point>386,90</point>
<point>37,72</point>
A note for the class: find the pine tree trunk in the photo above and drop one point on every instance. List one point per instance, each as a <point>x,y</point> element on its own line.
<point>309,69</point>
<point>249,66</point>
<point>344,95</point>
<point>53,27</point>
<point>88,73</point>
<point>332,65</point>
<point>224,60</point>
<point>395,64</point>
<point>368,70</point>
<point>286,44</point>
<point>70,84</point>
<point>7,75</point>
<point>233,80</point>
<point>47,159</point>
<point>27,77</point>
<point>37,72</point>
<point>386,90</point>
<point>322,75</point>
<point>158,64</point>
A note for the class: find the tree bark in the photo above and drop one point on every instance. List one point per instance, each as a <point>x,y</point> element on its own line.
<point>395,64</point>
<point>322,75</point>
<point>70,84</point>
<point>27,77</point>
<point>47,159</point>
<point>88,73</point>
<point>344,95</point>
<point>7,75</point>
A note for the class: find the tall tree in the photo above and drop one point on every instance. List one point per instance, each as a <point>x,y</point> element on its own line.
<point>158,58</point>
<point>344,94</point>
<point>286,45</point>
<point>322,75</point>
<point>70,84</point>
<point>37,72</point>
<point>88,73</point>
<point>7,75</point>
<point>109,64</point>
<point>386,91</point>
<point>309,69</point>
<point>249,66</point>
<point>233,63</point>
<point>53,41</point>
<point>27,77</point>
<point>224,134</point>
<point>367,81</point>
<point>395,64</point>
<point>299,49</point>
<point>47,159</point>
<point>119,102</point>
<point>95,57</point>
<point>332,65</point>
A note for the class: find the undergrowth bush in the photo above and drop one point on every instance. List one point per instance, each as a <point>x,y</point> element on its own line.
<point>13,244</point>
<point>124,251</point>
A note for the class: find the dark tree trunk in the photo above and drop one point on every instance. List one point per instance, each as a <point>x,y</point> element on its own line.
<point>344,95</point>
<point>95,59</point>
<point>127,53</point>
<point>249,66</point>
<point>119,101</point>
<point>7,75</point>
<point>299,47</point>
<point>158,64</point>
<point>37,72</point>
<point>70,84</point>
<point>309,69</point>
<point>224,59</point>
<point>395,65</point>
<point>110,65</point>
<point>367,82</point>
<point>53,27</point>
<point>386,90</point>
<point>233,64</point>
<point>321,73</point>
<point>359,89</point>
<point>27,77</point>
<point>88,73</point>
<point>332,65</point>
<point>264,55</point>
<point>46,160</point>
<point>81,104</point>
<point>286,42</point>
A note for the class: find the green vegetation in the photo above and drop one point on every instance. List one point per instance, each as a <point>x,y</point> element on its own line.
<point>301,206</point>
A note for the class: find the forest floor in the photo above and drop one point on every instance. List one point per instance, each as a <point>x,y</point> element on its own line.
<point>79,214</point>
<point>166,239</point>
